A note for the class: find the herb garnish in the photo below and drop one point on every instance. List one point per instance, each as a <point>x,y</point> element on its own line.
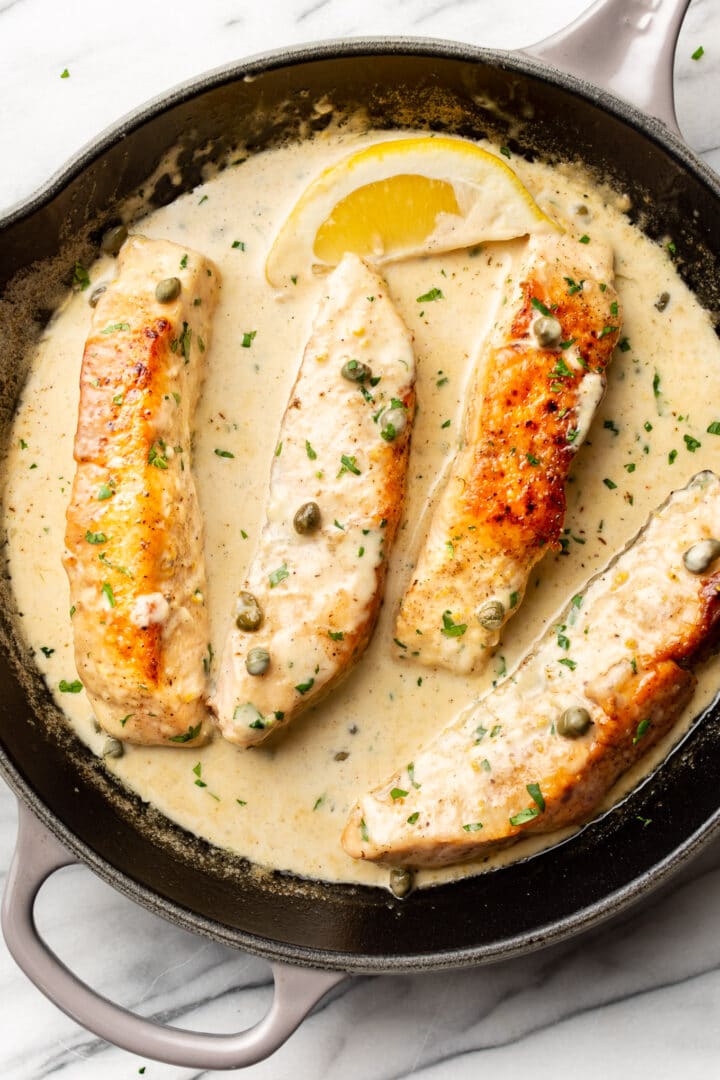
<point>224,453</point>
<point>95,537</point>
<point>349,464</point>
<point>188,736</point>
<point>398,793</point>
<point>539,306</point>
<point>692,444</point>
<point>474,826</point>
<point>641,731</point>
<point>279,575</point>
<point>536,795</point>
<point>115,326</point>
<point>73,687</point>
<point>109,594</point>
<point>432,294</point>
<point>450,628</point>
<point>81,278</point>
<point>524,815</point>
<point>302,688</point>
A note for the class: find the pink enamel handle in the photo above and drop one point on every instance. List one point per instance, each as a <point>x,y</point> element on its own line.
<point>38,855</point>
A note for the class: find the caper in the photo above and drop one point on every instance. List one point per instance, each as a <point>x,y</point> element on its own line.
<point>114,239</point>
<point>307,518</point>
<point>113,748</point>
<point>491,615</point>
<point>257,661</point>
<point>401,882</point>
<point>662,301</point>
<point>548,331</point>
<point>167,290</point>
<point>698,558</point>
<point>96,294</point>
<point>355,371</point>
<point>248,613</point>
<point>394,422</point>
<point>574,722</point>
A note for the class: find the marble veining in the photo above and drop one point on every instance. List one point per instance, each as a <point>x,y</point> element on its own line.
<point>639,997</point>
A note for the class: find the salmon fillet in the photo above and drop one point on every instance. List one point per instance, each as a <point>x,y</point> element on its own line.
<point>620,651</point>
<point>343,447</point>
<point>134,552</point>
<point>529,409</point>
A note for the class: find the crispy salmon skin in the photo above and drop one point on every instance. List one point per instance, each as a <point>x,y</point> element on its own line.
<point>134,553</point>
<point>529,409</point>
<point>336,494</point>
<point>602,686</point>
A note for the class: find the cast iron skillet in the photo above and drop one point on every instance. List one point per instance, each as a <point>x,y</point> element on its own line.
<point>70,809</point>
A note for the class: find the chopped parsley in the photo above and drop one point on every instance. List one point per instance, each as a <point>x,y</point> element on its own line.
<point>279,575</point>
<point>309,451</point>
<point>187,736</point>
<point>432,294</point>
<point>607,330</point>
<point>238,245</point>
<point>157,455</point>
<point>585,239</point>
<point>398,793</point>
<point>450,628</point>
<point>474,826</point>
<point>539,306</point>
<point>505,151</point>
<point>46,651</point>
<point>536,795</point>
<point>224,453</point>
<point>514,597</point>
<point>115,326</point>
<point>671,456</point>
<point>624,344</point>
<point>697,55</point>
<point>609,484</point>
<point>303,687</point>
<point>109,594</point>
<point>65,74</point>
<point>524,815</point>
<point>574,286</point>
<point>714,428</point>
<point>480,733</point>
<point>183,262</point>
<point>610,425</point>
<point>348,463</point>
<point>248,338</point>
<point>364,835</point>
<point>81,278</point>
<point>692,444</point>
<point>411,774</point>
<point>447,423</point>
<point>568,662</point>
<point>532,460</point>
<point>95,537</point>
<point>413,818</point>
<point>629,466</point>
<point>336,635</point>
<point>73,687</point>
<point>641,731</point>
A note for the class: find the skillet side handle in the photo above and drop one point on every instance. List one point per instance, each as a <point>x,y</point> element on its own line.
<point>624,46</point>
<point>38,855</point>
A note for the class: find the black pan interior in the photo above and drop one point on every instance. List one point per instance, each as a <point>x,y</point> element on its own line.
<point>423,85</point>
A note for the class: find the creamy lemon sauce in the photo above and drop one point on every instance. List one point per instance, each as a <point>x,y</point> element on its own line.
<point>284,804</point>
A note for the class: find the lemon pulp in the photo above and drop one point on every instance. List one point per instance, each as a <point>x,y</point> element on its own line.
<point>385,216</point>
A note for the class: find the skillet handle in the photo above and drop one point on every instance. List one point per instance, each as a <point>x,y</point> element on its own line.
<point>624,46</point>
<point>38,855</point>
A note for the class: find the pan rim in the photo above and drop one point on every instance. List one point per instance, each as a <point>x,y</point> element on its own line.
<point>256,65</point>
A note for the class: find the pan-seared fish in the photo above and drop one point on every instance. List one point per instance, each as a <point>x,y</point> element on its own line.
<point>603,685</point>
<point>134,535</point>
<point>307,609</point>
<point>529,410</point>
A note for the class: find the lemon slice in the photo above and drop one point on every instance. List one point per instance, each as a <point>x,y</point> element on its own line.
<point>403,197</point>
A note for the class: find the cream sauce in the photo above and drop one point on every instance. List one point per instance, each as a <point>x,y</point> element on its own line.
<point>284,804</point>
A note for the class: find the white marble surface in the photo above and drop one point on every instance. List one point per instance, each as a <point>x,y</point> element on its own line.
<point>639,998</point>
